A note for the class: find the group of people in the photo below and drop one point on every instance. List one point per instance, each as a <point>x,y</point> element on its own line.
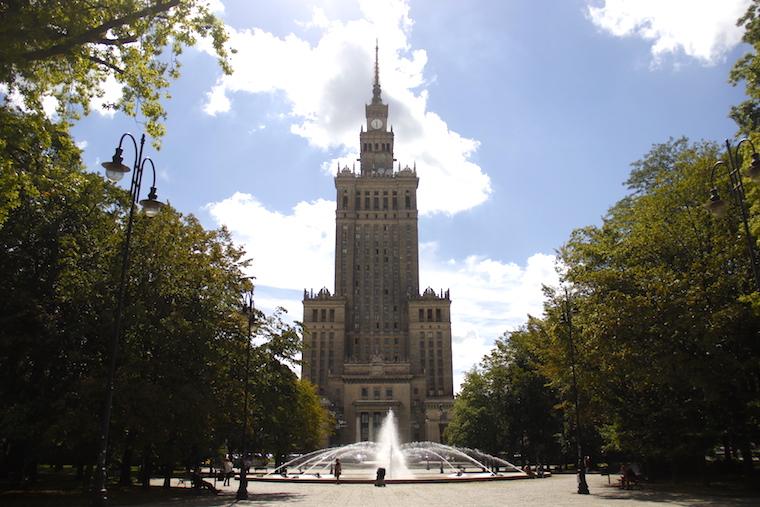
<point>628,476</point>
<point>538,472</point>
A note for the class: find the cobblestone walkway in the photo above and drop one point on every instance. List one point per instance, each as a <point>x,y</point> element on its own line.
<point>559,490</point>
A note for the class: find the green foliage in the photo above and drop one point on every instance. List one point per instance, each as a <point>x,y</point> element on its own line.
<point>663,314</point>
<point>664,339</point>
<point>179,389</point>
<point>505,405</point>
<point>474,418</point>
<point>287,413</point>
<point>67,50</point>
<point>182,327</point>
<point>747,70</point>
<point>57,249</point>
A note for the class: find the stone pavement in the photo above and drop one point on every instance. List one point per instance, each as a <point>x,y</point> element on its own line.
<point>558,490</point>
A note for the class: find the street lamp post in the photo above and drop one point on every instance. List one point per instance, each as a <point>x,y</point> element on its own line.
<point>248,309</point>
<point>441,422</point>
<point>718,206</point>
<point>567,315</point>
<point>115,170</point>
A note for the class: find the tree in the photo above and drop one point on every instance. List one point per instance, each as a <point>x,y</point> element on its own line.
<point>505,405</point>
<point>747,70</point>
<point>59,267</point>
<point>287,414</point>
<point>664,314</point>
<point>474,421</point>
<point>68,50</point>
<point>57,252</point>
<point>182,327</point>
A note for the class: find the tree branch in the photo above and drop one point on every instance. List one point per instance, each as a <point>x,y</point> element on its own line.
<point>110,65</point>
<point>116,42</point>
<point>96,34</point>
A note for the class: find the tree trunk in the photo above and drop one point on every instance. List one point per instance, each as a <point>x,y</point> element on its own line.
<point>728,452</point>
<point>704,472</point>
<point>125,474</point>
<point>146,468</point>
<point>15,465</point>
<point>30,471</point>
<point>86,477</point>
<point>746,449</point>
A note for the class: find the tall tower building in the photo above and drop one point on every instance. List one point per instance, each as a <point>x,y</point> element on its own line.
<point>376,343</point>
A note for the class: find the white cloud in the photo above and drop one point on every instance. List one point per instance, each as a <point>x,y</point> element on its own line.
<point>294,251</point>
<point>326,84</point>
<point>216,102</point>
<point>489,297</point>
<point>216,7</point>
<point>15,99</point>
<point>110,91</point>
<point>82,144</point>
<point>701,29</point>
<point>289,251</point>
<point>50,106</point>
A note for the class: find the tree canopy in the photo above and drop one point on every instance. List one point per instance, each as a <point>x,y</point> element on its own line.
<point>180,378</point>
<point>506,405</point>
<point>68,50</point>
<point>665,327</point>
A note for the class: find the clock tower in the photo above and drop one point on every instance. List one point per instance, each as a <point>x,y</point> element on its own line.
<point>377,141</point>
<point>376,343</point>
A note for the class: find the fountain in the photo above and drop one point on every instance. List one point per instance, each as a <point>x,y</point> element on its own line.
<point>411,462</point>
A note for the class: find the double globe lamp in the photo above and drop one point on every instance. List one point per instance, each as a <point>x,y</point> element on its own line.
<point>718,206</point>
<point>115,171</point>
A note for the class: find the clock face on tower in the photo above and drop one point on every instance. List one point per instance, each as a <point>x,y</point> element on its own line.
<point>376,123</point>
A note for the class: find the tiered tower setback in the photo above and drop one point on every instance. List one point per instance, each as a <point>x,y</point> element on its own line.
<point>376,343</point>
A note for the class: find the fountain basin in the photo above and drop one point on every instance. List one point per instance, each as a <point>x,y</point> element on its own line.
<point>330,479</point>
<point>403,463</point>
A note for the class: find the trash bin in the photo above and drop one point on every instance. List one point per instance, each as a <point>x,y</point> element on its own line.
<point>380,478</point>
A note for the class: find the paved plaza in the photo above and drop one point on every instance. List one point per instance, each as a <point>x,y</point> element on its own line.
<point>555,491</point>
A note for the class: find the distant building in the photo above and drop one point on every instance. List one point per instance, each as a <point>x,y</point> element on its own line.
<point>377,343</point>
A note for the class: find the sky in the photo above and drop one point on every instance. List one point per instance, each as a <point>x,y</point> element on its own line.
<point>522,117</point>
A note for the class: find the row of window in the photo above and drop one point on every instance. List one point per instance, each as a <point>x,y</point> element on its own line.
<point>427,316</point>
<point>372,201</point>
<point>322,356</point>
<point>377,147</point>
<point>322,315</point>
<point>376,391</point>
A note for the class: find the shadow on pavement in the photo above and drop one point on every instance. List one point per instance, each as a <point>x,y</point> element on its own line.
<point>695,498</point>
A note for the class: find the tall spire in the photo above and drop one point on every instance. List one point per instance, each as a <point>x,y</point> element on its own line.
<point>376,87</point>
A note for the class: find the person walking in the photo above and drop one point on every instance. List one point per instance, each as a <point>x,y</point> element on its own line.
<point>227,467</point>
<point>337,470</point>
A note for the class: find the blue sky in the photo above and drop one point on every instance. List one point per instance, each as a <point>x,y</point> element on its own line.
<point>523,118</point>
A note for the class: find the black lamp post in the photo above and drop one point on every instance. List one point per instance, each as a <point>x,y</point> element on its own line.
<point>115,170</point>
<point>718,206</point>
<point>248,309</point>
<point>567,315</point>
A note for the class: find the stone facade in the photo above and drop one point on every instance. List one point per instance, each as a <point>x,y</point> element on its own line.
<point>377,343</point>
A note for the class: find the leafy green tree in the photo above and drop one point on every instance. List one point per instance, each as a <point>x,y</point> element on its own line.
<point>505,404</point>
<point>666,333</point>
<point>67,50</point>
<point>527,401</point>
<point>474,421</point>
<point>56,260</point>
<point>286,414</point>
<point>747,70</point>
<point>182,326</point>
